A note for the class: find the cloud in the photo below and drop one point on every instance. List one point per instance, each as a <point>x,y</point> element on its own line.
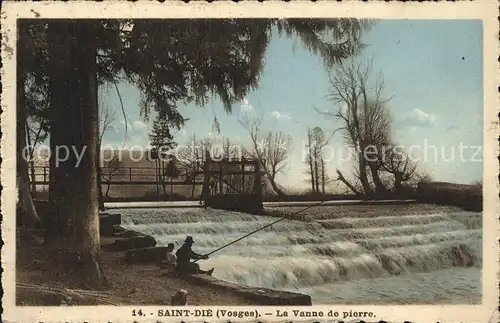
<point>279,115</point>
<point>129,125</point>
<point>418,118</point>
<point>247,110</point>
<point>139,125</point>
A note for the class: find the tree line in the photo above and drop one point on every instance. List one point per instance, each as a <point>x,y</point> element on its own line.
<point>381,165</point>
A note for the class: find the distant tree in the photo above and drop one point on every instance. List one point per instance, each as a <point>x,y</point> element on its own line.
<point>310,160</point>
<point>398,163</point>
<point>317,141</point>
<point>365,120</point>
<point>161,141</point>
<point>107,116</point>
<point>190,160</point>
<point>271,149</point>
<point>110,170</point>
<point>36,132</point>
<point>172,171</point>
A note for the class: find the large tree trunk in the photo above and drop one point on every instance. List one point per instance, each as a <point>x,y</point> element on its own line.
<point>310,160</point>
<point>363,177</point>
<point>33,179</point>
<point>99,178</point>
<point>380,189</point>
<point>75,115</point>
<point>398,183</point>
<point>31,164</point>
<point>26,212</point>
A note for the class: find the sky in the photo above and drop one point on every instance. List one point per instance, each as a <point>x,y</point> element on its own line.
<point>432,70</point>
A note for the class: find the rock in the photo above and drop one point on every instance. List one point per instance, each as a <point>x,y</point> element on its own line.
<point>137,242</point>
<point>124,233</point>
<point>261,296</point>
<point>179,298</point>
<point>146,255</point>
<point>110,219</point>
<point>107,223</point>
<point>106,231</point>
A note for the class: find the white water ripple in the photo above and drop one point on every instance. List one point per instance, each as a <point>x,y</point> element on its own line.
<point>405,250</point>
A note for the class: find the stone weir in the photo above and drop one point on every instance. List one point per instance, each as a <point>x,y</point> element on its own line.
<point>142,249</point>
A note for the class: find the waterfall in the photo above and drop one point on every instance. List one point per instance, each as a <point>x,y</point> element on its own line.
<point>379,249</point>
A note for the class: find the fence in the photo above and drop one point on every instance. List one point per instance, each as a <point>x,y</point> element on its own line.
<point>125,176</point>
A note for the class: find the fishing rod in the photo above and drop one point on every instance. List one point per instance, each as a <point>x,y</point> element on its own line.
<point>262,228</point>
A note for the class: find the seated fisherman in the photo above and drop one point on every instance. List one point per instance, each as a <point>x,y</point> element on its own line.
<point>185,254</point>
<point>170,260</point>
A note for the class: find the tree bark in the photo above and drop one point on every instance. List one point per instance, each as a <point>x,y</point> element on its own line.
<point>316,167</point>
<point>363,175</point>
<point>193,185</point>
<point>57,225</point>
<point>310,161</point>
<point>31,164</point>
<point>311,170</point>
<point>380,189</point>
<point>33,180</point>
<point>99,179</point>
<point>398,183</point>
<point>107,188</point>
<point>275,186</point>
<point>75,115</point>
<point>26,212</point>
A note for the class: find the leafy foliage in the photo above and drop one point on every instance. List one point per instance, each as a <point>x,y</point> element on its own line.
<point>185,60</point>
<point>160,138</point>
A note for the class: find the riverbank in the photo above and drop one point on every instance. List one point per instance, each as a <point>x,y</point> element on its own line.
<point>129,284</point>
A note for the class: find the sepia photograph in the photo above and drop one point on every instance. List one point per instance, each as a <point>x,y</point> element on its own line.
<point>249,161</point>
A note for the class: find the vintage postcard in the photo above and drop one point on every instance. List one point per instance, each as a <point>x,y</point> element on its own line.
<point>250,162</point>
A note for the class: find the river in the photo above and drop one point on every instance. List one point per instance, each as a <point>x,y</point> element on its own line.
<point>403,258</point>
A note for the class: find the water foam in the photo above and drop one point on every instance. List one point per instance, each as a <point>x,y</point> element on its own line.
<point>295,255</point>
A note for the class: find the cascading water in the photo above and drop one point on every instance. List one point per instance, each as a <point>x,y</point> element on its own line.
<point>422,258</point>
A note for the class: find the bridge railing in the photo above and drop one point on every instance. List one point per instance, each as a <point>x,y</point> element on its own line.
<point>125,176</point>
